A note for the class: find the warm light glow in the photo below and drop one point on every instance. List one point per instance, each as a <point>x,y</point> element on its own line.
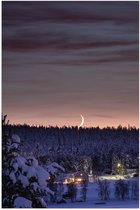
<point>72,179</point>
<point>81,174</point>
<point>79,180</point>
<point>118,165</point>
<point>66,181</point>
<point>69,181</point>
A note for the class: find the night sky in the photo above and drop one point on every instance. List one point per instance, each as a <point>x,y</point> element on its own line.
<point>63,59</point>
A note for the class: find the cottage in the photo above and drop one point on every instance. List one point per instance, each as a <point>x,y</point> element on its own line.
<point>76,177</point>
<point>81,176</point>
<point>68,179</point>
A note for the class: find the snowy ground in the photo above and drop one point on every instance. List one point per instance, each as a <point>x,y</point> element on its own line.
<point>93,200</point>
<point>90,204</point>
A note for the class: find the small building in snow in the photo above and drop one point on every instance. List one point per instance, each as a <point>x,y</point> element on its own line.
<point>81,176</point>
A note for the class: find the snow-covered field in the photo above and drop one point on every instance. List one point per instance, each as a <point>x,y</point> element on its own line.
<point>94,202</point>
<point>90,203</point>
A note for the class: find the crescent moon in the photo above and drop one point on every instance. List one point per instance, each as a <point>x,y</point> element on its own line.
<point>81,122</point>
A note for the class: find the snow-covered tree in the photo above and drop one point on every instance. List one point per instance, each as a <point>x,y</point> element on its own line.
<point>121,189</point>
<point>134,193</point>
<point>72,191</point>
<point>103,189</point>
<point>56,175</point>
<point>84,187</point>
<point>22,177</point>
<point>25,182</point>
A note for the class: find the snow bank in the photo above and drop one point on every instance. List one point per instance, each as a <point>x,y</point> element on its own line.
<point>21,202</point>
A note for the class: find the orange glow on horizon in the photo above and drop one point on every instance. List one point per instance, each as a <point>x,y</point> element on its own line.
<point>71,123</point>
<point>73,120</point>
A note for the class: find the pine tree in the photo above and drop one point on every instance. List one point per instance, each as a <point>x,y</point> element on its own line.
<point>121,189</point>
<point>25,182</point>
<point>103,189</point>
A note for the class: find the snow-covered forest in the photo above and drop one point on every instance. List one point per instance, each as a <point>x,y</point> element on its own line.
<point>85,148</point>
<point>39,164</point>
